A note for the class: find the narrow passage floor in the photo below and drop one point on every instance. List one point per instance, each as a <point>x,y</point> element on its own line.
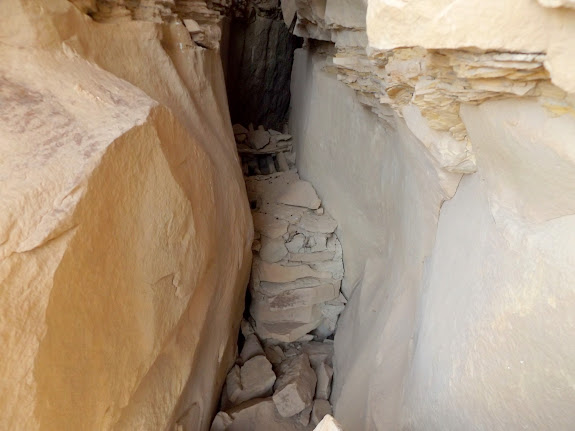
<point>283,374</point>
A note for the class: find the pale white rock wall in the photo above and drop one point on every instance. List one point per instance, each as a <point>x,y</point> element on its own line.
<point>125,231</point>
<point>495,25</point>
<point>459,289</point>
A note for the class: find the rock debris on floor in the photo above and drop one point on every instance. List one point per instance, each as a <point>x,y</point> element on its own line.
<point>283,374</point>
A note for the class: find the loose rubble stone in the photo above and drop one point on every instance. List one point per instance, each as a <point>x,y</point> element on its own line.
<point>296,244</point>
<point>283,137</point>
<point>303,297</point>
<point>273,249</point>
<point>259,415</point>
<point>334,267</point>
<point>274,354</point>
<point>262,312</point>
<point>246,328</point>
<point>254,379</point>
<point>295,386</point>
<point>258,139</point>
<point>239,129</point>
<point>312,257</point>
<point>251,348</point>
<point>304,416</point>
<point>283,165</point>
<point>281,274</point>
<point>321,408</point>
<point>324,375</point>
<point>272,289</point>
<point>285,331</point>
<point>269,226</point>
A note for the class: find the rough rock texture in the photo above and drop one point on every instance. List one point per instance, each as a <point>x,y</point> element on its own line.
<point>297,272</point>
<point>125,233</point>
<point>295,387</point>
<point>456,308</point>
<point>260,415</point>
<point>253,380</point>
<point>260,56</point>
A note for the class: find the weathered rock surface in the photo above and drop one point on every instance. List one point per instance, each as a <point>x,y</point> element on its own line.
<point>295,386</point>
<point>254,379</point>
<point>259,415</point>
<point>298,267</point>
<point>324,375</point>
<point>115,179</point>
<point>251,348</point>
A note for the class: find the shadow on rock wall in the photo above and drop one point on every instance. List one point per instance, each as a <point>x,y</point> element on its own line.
<point>260,58</point>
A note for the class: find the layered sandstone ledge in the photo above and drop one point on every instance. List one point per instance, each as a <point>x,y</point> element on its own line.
<point>125,232</point>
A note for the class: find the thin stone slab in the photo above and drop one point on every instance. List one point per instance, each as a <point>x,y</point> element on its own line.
<point>283,137</point>
<point>315,223</point>
<point>303,297</point>
<point>288,213</point>
<point>312,257</point>
<point>282,274</point>
<point>271,148</point>
<point>295,387</point>
<point>300,194</point>
<point>261,312</point>
<point>333,267</point>
<point>246,328</point>
<point>269,289</point>
<point>285,332</point>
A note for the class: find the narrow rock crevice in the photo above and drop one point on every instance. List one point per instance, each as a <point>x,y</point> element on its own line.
<point>283,373</point>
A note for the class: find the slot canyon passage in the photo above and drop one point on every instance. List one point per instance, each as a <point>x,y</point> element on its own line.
<point>245,215</point>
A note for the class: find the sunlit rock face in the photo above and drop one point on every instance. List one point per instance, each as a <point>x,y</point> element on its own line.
<point>125,229</point>
<point>442,144</point>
